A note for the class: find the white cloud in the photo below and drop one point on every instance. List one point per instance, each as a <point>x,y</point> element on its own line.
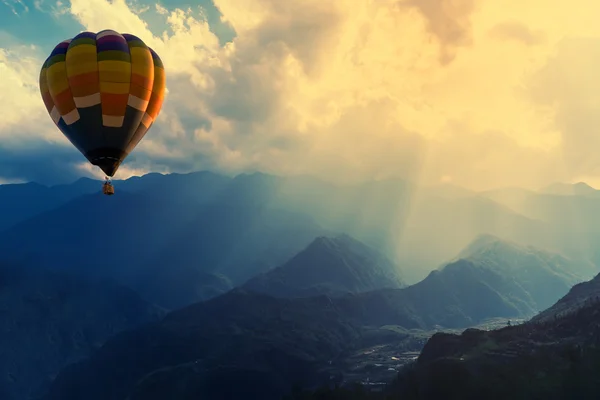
<point>24,117</point>
<point>348,88</point>
<point>16,6</point>
<point>161,10</point>
<point>6,181</point>
<point>125,172</point>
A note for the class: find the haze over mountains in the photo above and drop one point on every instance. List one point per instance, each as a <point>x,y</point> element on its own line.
<point>332,266</point>
<point>412,226</point>
<point>263,272</point>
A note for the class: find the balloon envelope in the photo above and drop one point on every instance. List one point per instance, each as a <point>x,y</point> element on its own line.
<point>103,90</point>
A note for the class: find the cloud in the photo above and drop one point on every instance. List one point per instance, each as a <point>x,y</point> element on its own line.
<point>493,159</point>
<point>349,89</point>
<point>243,105</point>
<point>448,20</point>
<point>125,172</point>
<point>518,32</point>
<point>40,162</point>
<point>568,86</point>
<point>16,6</point>
<point>23,114</point>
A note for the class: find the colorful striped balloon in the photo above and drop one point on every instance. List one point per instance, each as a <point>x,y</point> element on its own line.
<point>103,90</point>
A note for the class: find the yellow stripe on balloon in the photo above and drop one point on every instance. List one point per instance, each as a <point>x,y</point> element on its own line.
<point>82,68</point>
<point>114,87</point>
<point>115,76</point>
<point>159,80</point>
<point>82,52</point>
<point>56,76</point>
<point>114,66</point>
<point>141,62</point>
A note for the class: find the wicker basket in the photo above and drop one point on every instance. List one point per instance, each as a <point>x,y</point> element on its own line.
<point>108,189</point>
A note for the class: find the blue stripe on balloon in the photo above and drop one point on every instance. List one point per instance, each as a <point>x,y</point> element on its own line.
<point>112,45</point>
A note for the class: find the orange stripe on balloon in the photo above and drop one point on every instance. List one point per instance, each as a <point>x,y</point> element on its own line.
<point>48,102</point>
<point>114,104</point>
<point>64,102</point>
<point>140,92</point>
<point>90,78</point>
<point>155,104</point>
<point>84,84</point>
<point>142,81</point>
<point>159,80</point>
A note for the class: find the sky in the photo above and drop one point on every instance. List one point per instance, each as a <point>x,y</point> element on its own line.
<point>477,93</point>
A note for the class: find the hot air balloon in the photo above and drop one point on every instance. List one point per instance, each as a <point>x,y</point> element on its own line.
<point>104,91</point>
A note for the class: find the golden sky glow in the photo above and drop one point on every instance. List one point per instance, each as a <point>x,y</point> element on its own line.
<point>479,93</point>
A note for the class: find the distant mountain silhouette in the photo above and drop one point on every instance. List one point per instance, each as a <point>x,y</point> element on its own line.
<point>572,221</point>
<point>493,278</point>
<point>509,196</point>
<point>530,266</point>
<point>437,229</point>
<point>240,227</point>
<point>415,227</point>
<point>19,202</point>
<point>418,227</point>
<point>581,294</point>
<point>51,319</point>
<point>568,189</point>
<point>542,274</point>
<point>448,191</point>
<point>177,287</point>
<point>333,266</point>
<point>144,239</point>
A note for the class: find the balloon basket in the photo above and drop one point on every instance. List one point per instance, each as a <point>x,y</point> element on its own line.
<point>107,188</point>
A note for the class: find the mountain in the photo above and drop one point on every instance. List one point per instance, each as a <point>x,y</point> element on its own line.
<point>141,239</point>
<point>199,186</point>
<point>245,342</point>
<point>332,266</point>
<point>239,345</point>
<point>437,229</point>
<point>176,287</point>
<point>19,202</point>
<point>572,220</point>
<point>490,278</point>
<point>568,189</point>
<point>420,227</point>
<point>50,319</point>
<point>555,359</point>
<point>493,278</point>
<point>553,356</point>
<point>409,225</point>
<point>580,295</point>
<point>448,191</point>
<point>541,273</point>
<point>242,232</point>
<point>192,218</point>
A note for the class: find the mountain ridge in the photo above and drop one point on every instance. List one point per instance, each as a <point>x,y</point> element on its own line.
<point>329,265</point>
